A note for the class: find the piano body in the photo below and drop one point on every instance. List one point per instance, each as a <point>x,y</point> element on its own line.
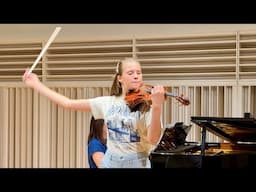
<point>238,152</point>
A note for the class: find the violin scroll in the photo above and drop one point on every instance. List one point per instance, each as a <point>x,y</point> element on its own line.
<point>182,100</point>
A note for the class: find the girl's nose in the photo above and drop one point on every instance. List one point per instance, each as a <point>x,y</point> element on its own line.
<point>135,75</point>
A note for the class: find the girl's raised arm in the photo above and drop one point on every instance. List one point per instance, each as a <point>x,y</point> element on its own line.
<point>31,80</point>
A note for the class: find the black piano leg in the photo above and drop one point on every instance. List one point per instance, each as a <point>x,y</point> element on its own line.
<point>203,140</point>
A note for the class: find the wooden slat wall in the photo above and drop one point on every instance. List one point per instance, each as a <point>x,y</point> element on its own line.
<point>216,71</point>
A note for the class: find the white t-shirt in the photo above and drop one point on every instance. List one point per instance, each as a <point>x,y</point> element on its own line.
<point>127,131</point>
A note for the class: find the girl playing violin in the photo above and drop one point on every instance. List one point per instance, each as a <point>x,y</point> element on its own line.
<point>131,134</point>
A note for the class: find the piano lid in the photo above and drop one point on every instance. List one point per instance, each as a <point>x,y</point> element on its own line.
<point>235,130</point>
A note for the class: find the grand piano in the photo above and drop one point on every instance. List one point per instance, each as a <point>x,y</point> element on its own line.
<point>238,150</point>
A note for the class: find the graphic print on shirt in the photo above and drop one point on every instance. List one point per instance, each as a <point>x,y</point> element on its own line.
<point>121,126</point>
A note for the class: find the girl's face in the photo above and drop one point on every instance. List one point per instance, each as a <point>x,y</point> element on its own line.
<point>131,78</point>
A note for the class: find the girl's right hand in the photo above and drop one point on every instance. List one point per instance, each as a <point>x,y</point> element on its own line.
<point>30,79</point>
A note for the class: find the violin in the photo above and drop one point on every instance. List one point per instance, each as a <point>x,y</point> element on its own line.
<point>140,100</point>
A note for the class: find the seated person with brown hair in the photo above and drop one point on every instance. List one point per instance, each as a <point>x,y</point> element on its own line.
<point>97,139</point>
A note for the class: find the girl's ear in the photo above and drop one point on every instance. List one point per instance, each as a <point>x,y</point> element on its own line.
<point>119,78</point>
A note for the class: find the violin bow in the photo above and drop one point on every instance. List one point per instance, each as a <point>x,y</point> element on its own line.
<point>54,34</point>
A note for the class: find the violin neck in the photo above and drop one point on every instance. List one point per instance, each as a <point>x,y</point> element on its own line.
<point>166,93</point>
<point>171,94</point>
